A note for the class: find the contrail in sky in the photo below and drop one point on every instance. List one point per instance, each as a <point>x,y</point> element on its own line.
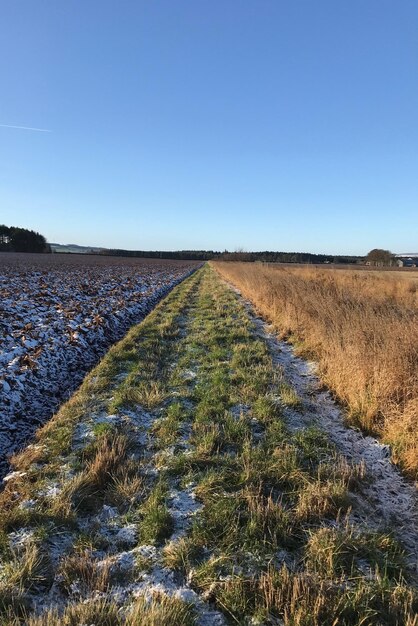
<point>39,130</point>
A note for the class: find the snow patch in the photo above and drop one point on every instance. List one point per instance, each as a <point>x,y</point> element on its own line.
<point>182,506</point>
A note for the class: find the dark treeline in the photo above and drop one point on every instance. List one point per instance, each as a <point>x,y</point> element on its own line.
<point>187,255</point>
<point>264,257</point>
<point>288,257</point>
<point>14,239</point>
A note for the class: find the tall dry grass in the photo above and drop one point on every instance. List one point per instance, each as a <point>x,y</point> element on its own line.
<point>361,327</point>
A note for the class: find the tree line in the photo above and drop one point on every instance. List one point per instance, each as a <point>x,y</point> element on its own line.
<point>207,255</point>
<point>186,255</point>
<point>14,239</point>
<point>270,256</point>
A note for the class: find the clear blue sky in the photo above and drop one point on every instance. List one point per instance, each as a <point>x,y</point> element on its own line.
<point>262,124</point>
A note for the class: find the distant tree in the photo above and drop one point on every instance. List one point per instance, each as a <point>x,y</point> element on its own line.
<point>380,257</point>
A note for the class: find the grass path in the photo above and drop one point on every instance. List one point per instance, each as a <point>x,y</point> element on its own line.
<point>171,489</point>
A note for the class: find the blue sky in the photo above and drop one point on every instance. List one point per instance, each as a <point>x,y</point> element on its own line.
<point>262,124</point>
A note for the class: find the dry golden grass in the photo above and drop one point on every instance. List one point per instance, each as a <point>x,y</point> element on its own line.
<point>97,611</point>
<point>161,610</point>
<point>109,473</point>
<point>362,327</point>
<point>322,499</point>
<point>311,601</point>
<point>85,572</point>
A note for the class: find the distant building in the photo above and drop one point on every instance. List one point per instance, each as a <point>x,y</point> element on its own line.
<point>405,261</point>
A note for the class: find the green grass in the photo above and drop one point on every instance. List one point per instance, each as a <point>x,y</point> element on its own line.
<point>289,396</point>
<point>155,520</point>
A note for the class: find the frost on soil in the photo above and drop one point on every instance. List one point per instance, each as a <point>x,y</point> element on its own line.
<point>57,318</point>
